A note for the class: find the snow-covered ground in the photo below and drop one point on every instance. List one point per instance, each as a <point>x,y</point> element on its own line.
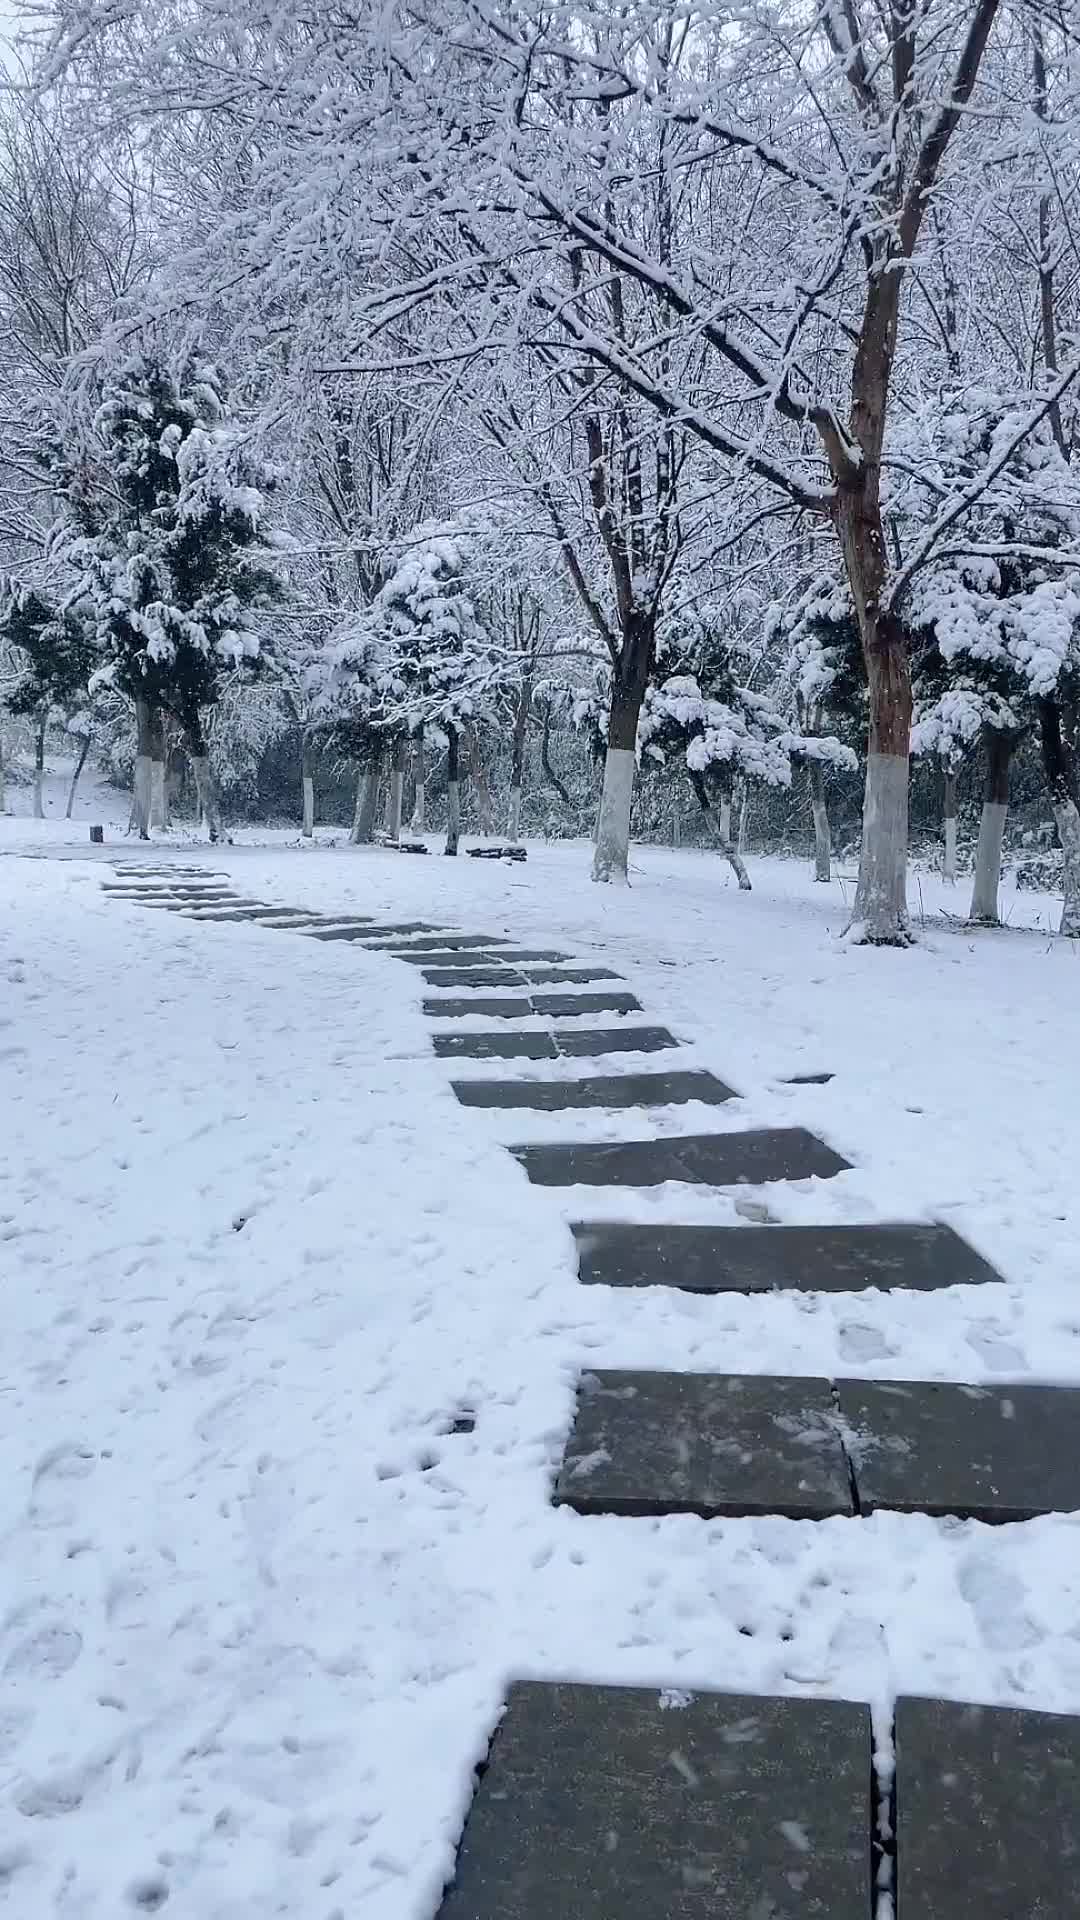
<point>261,1605</point>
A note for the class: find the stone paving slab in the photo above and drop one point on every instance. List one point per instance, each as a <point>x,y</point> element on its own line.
<point>591,1043</point>
<point>601,1090</point>
<point>358,930</point>
<point>463,958</point>
<point>713,1444</point>
<point>570,976</point>
<point>999,1453</point>
<point>988,1812</point>
<point>428,937</point>
<point>564,1006</point>
<point>622,1803</point>
<point>509,1007</point>
<point>495,1046</point>
<point>474,977</point>
<point>707,1159</point>
<point>757,1259</point>
<point>259,916</point>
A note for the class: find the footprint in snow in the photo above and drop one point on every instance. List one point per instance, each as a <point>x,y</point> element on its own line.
<point>45,1655</point>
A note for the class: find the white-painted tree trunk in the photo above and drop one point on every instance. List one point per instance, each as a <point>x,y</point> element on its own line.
<point>725,820</point>
<point>419,812</point>
<point>453,815</point>
<point>79,765</point>
<point>948,866</point>
<point>984,893</point>
<point>612,851</point>
<point>822,841</point>
<point>393,817</point>
<point>308,827</point>
<point>159,812</point>
<point>367,803</point>
<point>880,915</point>
<point>206,788</point>
<point>513,817</point>
<point>140,810</point>
<point>1067,818</point>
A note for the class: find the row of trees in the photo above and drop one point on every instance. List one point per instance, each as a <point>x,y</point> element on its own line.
<point>705,381</point>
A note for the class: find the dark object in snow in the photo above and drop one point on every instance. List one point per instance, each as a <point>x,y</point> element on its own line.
<point>807,1079</point>
<point>601,1801</point>
<point>603,1090</point>
<point>563,1005</point>
<point>97,836</point>
<point>744,1260</point>
<point>996,1453</point>
<point>713,1444</point>
<point>706,1159</point>
<point>569,1043</point>
<point>410,846</point>
<point>496,853</point>
<point>988,1805</point>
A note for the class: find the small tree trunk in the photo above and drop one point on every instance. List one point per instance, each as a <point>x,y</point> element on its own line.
<point>733,858</point>
<point>419,802</point>
<point>307,784</point>
<point>820,811</point>
<point>453,791</point>
<point>545,760</point>
<point>1061,784</point>
<point>984,895</point>
<point>39,765</point>
<point>725,817</point>
<point>517,760</point>
<point>79,765</point>
<point>157,768</point>
<point>206,788</point>
<point>141,798</point>
<point>367,798</point>
<point>631,678</point>
<point>948,866</point>
<point>397,787</point>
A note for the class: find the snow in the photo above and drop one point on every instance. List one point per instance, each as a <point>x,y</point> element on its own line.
<point>261,1603</point>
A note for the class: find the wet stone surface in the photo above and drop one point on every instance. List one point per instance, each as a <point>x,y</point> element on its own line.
<point>751,1259</point>
<point>609,1091</point>
<point>711,1159</point>
<point>622,1803</point>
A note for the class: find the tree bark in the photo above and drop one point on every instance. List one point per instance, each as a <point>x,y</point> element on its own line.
<point>453,790</point>
<point>367,798</point>
<point>725,817</point>
<point>820,811</point>
<point>79,765</point>
<point>419,801</point>
<point>141,798</point>
<point>206,788</point>
<point>948,865</point>
<point>1061,784</point>
<point>629,681</point>
<point>731,855</point>
<point>39,765</point>
<point>517,759</point>
<point>307,784</point>
<point>984,895</point>
<point>156,740</point>
<point>397,787</point>
<point>545,761</point>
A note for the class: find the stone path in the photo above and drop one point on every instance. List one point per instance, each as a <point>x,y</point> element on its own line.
<point>597,1801</point>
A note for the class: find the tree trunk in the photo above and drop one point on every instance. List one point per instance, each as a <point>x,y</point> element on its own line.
<point>612,851</point>
<point>397,787</point>
<point>984,895</point>
<point>79,765</point>
<point>820,811</point>
<point>453,790</point>
<point>307,786</point>
<point>206,788</point>
<point>725,817</point>
<point>517,760</point>
<point>367,798</point>
<point>484,808</point>
<point>1061,783</point>
<point>948,865</point>
<point>39,765</point>
<point>141,799</point>
<point>733,858</point>
<point>419,802</point>
<point>545,761</point>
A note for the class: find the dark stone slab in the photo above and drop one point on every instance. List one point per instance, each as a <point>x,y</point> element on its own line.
<point>570,976</point>
<point>432,937</point>
<point>756,1259</point>
<point>474,977</point>
<point>576,1043</point>
<point>563,1006</point>
<point>492,1009</point>
<point>602,1090</point>
<point>390,932</point>
<point>495,1046</point>
<point>464,958</point>
<point>707,1159</point>
<point>728,1444</point>
<point>182,906</point>
<point>996,1453</point>
<point>988,1812</point>
<point>344,930</point>
<point>257,914</point>
<point>622,1803</point>
<point>807,1079</point>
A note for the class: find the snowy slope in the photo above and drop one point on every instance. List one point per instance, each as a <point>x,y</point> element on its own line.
<point>261,1604</point>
